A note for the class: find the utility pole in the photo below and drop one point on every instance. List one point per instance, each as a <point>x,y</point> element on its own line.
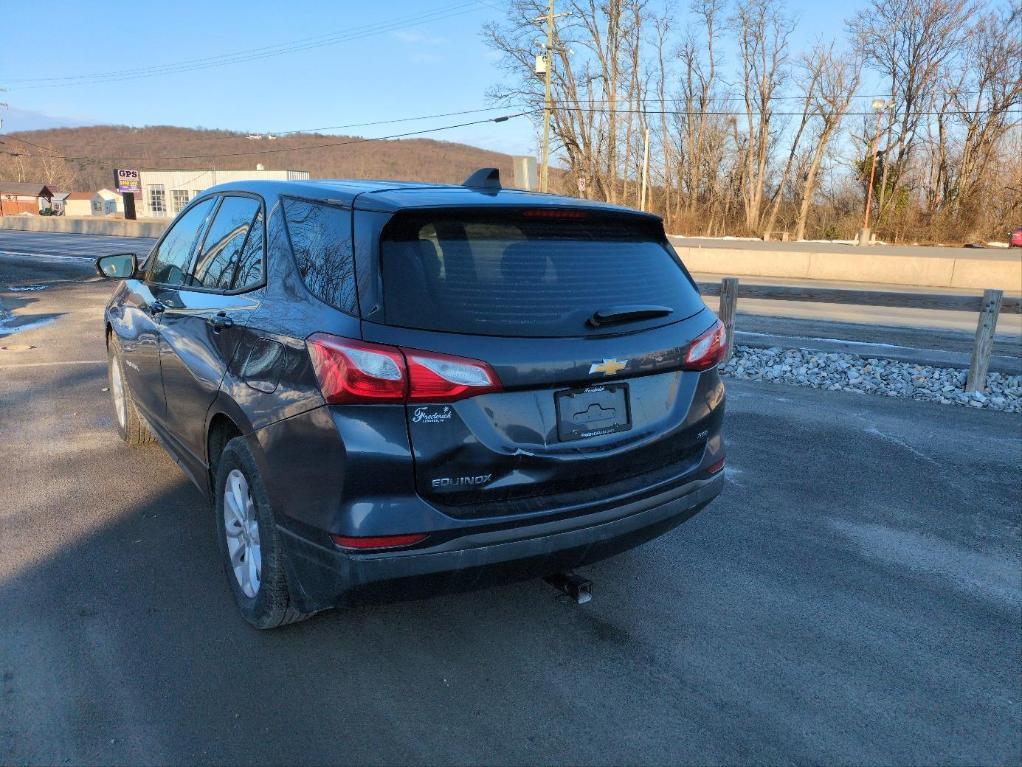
<point>879,106</point>
<point>645,170</point>
<point>547,62</point>
<point>544,179</point>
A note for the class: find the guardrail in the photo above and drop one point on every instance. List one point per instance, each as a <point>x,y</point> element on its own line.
<point>989,306</point>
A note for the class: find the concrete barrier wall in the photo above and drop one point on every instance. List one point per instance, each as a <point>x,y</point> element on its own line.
<point>114,227</point>
<point>974,272</point>
<point>987,274</point>
<point>857,265</point>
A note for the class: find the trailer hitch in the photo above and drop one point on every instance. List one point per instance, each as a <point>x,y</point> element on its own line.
<point>575,586</point>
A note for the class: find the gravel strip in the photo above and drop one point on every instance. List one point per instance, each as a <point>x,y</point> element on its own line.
<point>848,372</point>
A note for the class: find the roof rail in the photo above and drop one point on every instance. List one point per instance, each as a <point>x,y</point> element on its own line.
<point>484,178</point>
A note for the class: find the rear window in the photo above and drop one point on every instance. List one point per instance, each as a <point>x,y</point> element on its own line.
<point>527,273</point>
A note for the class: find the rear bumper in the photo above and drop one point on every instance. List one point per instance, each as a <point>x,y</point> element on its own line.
<point>322,576</point>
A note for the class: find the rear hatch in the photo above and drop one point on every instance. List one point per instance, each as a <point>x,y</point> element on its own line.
<point>583,316</point>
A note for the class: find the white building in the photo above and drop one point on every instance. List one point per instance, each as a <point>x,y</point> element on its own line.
<point>166,192</point>
<point>107,203</point>
<point>78,204</point>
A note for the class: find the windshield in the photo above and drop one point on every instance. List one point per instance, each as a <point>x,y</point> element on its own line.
<point>533,272</point>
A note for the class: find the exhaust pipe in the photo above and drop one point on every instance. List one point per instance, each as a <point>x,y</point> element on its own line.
<point>575,586</point>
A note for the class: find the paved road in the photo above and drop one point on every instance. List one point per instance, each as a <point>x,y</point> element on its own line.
<point>887,324</point>
<point>999,254</point>
<point>77,245</point>
<point>854,597</point>
<point>872,324</point>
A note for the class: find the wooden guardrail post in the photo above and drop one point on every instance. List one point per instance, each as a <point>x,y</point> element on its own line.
<point>728,304</point>
<point>982,349</point>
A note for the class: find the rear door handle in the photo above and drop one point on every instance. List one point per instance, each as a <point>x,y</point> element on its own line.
<point>221,321</point>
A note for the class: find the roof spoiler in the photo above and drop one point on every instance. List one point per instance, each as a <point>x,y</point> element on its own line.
<point>487,179</point>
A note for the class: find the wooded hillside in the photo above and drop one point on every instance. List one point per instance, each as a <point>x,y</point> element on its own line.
<point>102,148</point>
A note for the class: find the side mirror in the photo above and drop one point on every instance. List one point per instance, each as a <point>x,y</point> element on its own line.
<point>120,266</point>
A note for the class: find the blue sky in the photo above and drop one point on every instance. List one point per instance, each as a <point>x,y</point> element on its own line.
<point>399,67</point>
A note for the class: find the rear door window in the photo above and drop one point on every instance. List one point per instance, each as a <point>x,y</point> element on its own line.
<point>535,272</point>
<point>250,267</point>
<point>321,241</point>
<point>224,243</point>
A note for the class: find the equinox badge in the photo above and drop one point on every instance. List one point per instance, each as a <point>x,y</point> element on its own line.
<point>607,367</point>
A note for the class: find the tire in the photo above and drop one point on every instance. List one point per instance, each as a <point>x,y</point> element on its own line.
<point>265,599</point>
<point>130,425</point>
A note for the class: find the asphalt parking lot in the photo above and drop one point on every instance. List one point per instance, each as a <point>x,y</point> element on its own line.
<point>855,596</point>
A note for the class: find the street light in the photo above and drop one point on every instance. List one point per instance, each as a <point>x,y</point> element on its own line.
<point>879,106</point>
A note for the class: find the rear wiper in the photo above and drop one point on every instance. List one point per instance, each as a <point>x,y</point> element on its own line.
<point>613,315</point>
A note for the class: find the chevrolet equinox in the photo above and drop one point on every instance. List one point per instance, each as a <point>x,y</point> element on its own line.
<point>382,385</point>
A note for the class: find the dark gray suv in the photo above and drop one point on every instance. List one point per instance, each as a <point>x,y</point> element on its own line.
<point>388,388</point>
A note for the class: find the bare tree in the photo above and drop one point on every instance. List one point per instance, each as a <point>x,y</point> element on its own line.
<point>762,34</point>
<point>811,70</point>
<point>837,82</point>
<point>702,132</point>
<point>908,42</point>
<point>988,93</point>
<point>662,25</point>
<point>725,158</point>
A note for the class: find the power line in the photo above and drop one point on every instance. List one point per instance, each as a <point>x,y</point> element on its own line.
<point>525,112</point>
<point>261,52</point>
<point>243,135</point>
<point>251,54</point>
<point>280,150</point>
<point>732,113</point>
<point>30,143</point>
<point>733,97</point>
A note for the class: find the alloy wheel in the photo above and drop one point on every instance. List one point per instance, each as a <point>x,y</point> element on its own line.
<point>242,527</point>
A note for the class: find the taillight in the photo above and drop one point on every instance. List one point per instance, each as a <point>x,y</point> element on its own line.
<point>707,350</point>
<point>442,378</point>
<point>355,371</point>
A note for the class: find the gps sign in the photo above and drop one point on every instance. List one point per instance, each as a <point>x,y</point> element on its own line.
<point>128,180</point>
<point>128,183</point>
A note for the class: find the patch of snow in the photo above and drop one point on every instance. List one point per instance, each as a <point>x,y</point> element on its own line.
<point>874,431</point>
<point>832,340</point>
<point>990,576</point>
<point>7,326</point>
<point>45,256</point>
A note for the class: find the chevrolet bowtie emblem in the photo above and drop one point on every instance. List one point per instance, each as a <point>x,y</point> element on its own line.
<point>607,367</point>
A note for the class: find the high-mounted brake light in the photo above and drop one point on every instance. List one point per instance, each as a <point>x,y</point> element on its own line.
<point>352,371</point>
<point>707,350</point>
<point>561,213</point>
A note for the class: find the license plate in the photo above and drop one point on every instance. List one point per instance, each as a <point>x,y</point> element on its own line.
<point>593,411</point>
